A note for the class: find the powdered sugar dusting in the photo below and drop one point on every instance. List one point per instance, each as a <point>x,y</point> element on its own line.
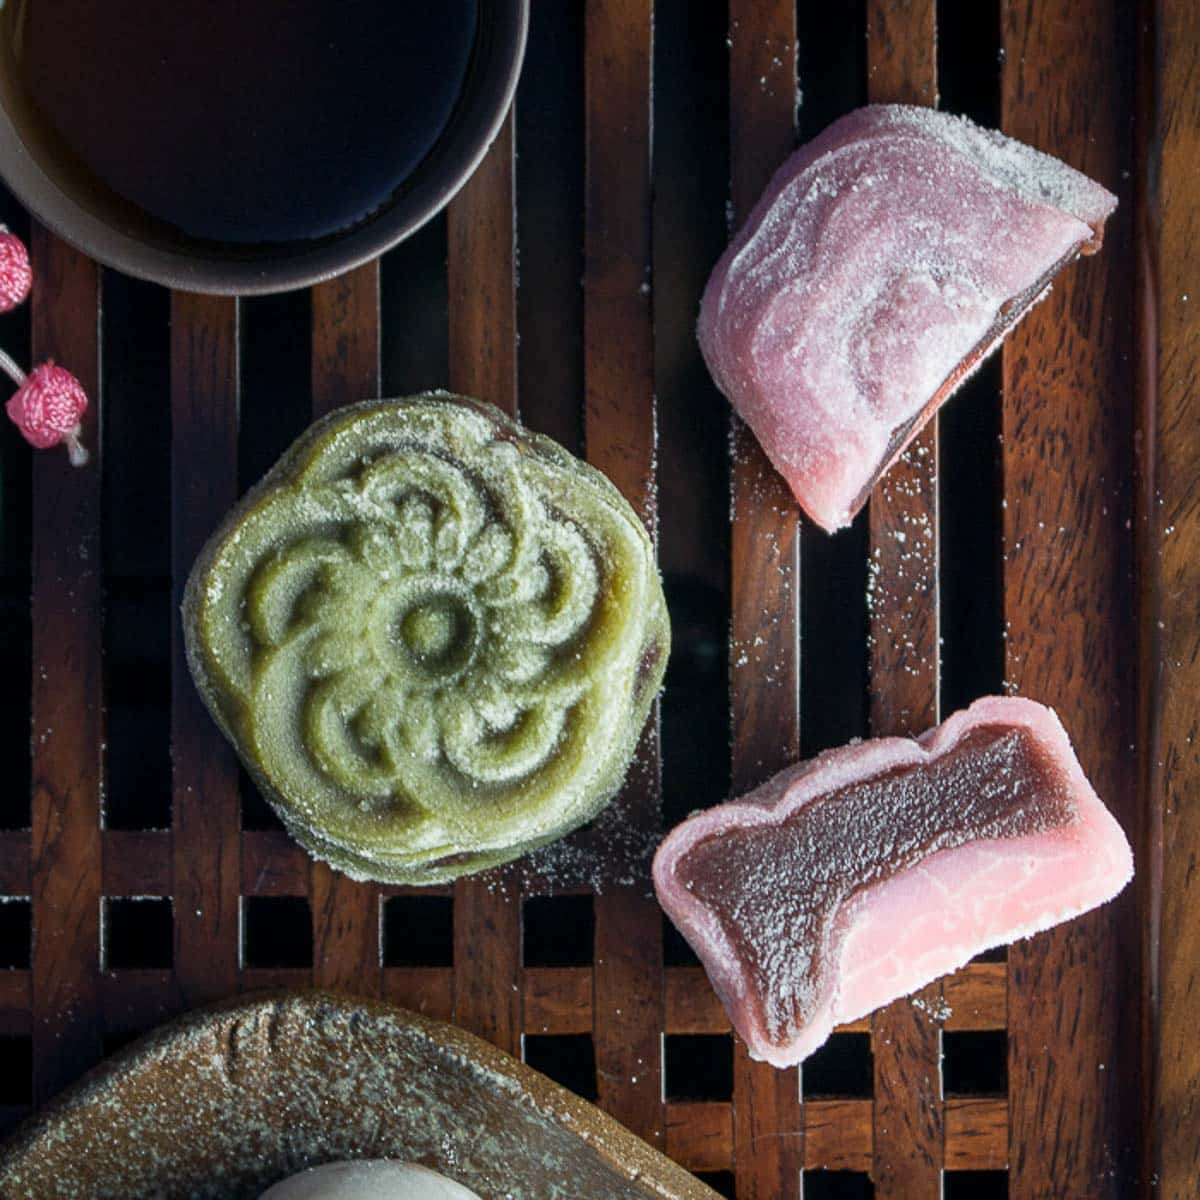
<point>893,249</point>
<point>865,873</point>
<point>779,889</point>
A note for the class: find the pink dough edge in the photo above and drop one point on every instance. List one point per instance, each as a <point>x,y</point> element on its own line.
<point>1097,831</point>
<point>1075,194</point>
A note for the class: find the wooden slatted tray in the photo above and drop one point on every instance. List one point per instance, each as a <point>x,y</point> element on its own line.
<point>1042,537</point>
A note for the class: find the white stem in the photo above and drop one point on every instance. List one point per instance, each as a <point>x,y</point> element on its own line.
<point>9,366</point>
<point>76,450</point>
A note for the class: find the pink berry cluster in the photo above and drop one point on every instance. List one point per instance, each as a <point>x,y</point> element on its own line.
<point>49,402</point>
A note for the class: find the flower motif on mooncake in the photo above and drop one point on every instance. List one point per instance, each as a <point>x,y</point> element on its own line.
<point>432,636</point>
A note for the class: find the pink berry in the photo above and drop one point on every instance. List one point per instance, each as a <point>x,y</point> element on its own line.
<point>47,408</point>
<point>16,275</point>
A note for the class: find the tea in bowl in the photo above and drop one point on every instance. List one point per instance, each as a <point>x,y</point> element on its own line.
<point>244,146</point>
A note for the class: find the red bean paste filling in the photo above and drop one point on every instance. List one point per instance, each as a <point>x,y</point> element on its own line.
<point>777,889</point>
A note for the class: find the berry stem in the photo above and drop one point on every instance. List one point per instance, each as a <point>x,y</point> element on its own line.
<point>9,366</point>
<point>76,450</point>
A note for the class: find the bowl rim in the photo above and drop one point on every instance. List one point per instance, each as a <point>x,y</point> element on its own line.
<point>297,266</point>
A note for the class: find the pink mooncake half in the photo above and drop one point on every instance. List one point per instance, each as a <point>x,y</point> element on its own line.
<point>885,260</point>
<point>862,875</point>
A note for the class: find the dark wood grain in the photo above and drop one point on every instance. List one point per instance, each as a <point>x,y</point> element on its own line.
<point>700,1135</point>
<point>838,1135</point>
<point>206,854</point>
<point>427,990</point>
<point>67,698</point>
<point>345,368</point>
<point>620,432</point>
<point>977,1137</point>
<point>346,339</point>
<point>1068,449</point>
<point>273,864</point>
<point>558,999</point>
<point>1169,523</point>
<point>482,279</point>
<point>133,1001</point>
<point>138,862</point>
<point>904,664</point>
<point>765,576</point>
<point>14,863</point>
<point>902,52</point>
<point>482,285</point>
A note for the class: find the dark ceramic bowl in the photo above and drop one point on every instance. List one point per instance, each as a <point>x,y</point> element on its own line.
<point>120,237</point>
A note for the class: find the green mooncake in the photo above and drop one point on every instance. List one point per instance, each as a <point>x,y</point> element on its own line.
<point>432,636</point>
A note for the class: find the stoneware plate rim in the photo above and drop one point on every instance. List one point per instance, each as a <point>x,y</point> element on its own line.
<point>94,1101</point>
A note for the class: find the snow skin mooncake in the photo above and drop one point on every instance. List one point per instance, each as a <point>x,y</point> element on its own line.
<point>885,260</point>
<point>860,876</point>
<point>432,636</point>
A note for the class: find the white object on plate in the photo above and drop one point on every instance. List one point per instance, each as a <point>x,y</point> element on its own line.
<point>369,1179</point>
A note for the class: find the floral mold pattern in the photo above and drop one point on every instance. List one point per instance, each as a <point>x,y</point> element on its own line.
<point>432,637</point>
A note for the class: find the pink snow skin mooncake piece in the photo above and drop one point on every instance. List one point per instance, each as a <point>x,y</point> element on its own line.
<point>861,875</point>
<point>886,258</point>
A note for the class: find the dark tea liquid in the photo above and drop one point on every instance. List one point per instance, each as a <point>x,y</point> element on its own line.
<point>246,121</point>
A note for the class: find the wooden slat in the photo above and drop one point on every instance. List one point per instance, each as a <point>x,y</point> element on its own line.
<point>700,1135</point>
<point>14,863</point>
<point>427,990</point>
<point>67,721</point>
<point>444,890</point>
<point>273,865</point>
<point>137,862</point>
<point>205,800</point>
<point>977,1136</point>
<point>691,1005</point>
<point>977,997</point>
<point>558,1000</point>
<point>1073,1002</point>
<point>481,268</point>
<point>904,640</point>
<point>134,1001</point>
<point>482,284</point>
<point>837,1135</point>
<point>765,574</point>
<point>346,339</point>
<point>620,428</point>
<point>271,979</point>
<point>345,368</point>
<point>1169,298</point>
